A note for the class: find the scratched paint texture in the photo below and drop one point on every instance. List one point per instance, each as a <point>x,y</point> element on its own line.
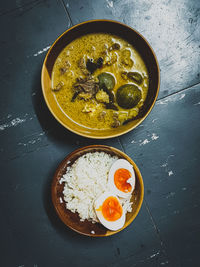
<point>169,164</point>
<point>171,27</point>
<point>165,147</point>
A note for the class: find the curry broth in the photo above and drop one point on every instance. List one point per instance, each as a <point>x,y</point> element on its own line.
<point>92,46</point>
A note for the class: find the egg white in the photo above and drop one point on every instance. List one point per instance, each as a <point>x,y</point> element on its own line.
<point>111,225</point>
<point>121,164</point>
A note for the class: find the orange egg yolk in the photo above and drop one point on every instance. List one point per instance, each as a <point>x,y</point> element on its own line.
<point>120,178</point>
<point>111,209</point>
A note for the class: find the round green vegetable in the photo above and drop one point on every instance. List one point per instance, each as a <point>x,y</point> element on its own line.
<point>106,80</point>
<point>128,96</point>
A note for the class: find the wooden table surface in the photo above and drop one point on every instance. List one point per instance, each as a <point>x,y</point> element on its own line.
<point>166,146</point>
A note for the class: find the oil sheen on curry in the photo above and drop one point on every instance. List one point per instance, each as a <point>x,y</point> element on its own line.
<point>100,81</point>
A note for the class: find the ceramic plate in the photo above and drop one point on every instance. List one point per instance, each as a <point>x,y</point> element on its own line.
<point>71,219</point>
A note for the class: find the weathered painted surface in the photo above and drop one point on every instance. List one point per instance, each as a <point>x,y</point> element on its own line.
<point>165,146</point>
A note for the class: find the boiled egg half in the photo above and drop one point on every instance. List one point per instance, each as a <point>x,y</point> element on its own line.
<point>121,178</point>
<point>109,211</point>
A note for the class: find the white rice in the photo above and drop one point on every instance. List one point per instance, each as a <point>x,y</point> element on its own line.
<point>85,181</point>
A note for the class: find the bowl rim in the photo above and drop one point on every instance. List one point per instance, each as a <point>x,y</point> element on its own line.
<point>86,134</point>
<point>101,147</point>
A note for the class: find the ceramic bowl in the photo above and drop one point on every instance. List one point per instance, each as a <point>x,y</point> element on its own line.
<point>72,220</point>
<point>95,26</point>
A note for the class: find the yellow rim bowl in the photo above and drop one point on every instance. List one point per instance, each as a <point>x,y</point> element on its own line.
<point>106,26</point>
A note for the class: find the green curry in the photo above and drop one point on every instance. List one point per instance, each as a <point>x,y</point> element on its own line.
<point>100,81</point>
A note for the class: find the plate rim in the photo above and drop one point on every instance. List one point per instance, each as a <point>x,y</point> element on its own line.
<point>101,147</point>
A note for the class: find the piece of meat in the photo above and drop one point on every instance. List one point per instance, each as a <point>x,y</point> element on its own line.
<point>102,115</point>
<point>87,87</point>
<point>126,58</point>
<point>116,122</point>
<point>82,66</point>
<point>81,63</point>
<point>110,59</point>
<point>58,86</point>
<point>65,68</point>
<point>124,75</point>
<point>115,46</point>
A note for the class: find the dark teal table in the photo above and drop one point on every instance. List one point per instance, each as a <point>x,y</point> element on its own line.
<point>166,146</point>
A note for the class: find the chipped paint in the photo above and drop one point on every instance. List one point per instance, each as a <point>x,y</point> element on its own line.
<point>32,141</point>
<point>164,165</point>
<point>182,96</point>
<point>6,117</point>
<point>41,51</point>
<point>43,133</point>
<point>171,194</point>
<point>164,262</point>
<point>22,144</point>
<point>170,99</point>
<point>162,102</point>
<point>109,3</point>
<point>154,136</point>
<point>12,123</point>
<point>133,142</point>
<point>146,141</point>
<point>154,120</point>
<point>155,254</point>
<point>197,104</point>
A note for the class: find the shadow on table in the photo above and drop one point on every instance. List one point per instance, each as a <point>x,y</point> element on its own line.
<point>54,131</point>
<point>60,136</point>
